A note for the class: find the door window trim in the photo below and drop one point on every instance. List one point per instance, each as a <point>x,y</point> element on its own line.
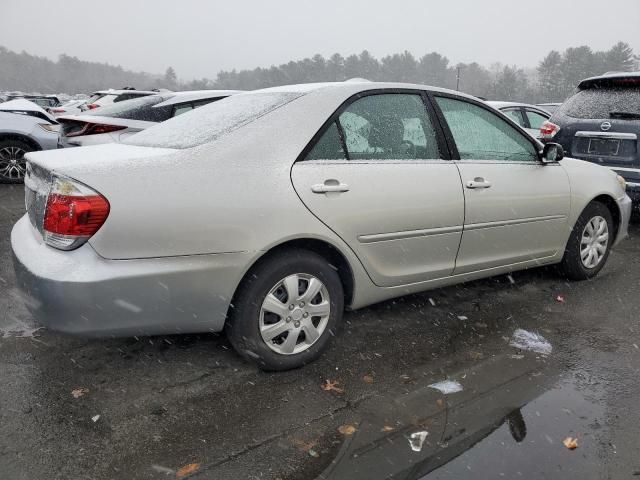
<point>455,155</point>
<point>443,146</point>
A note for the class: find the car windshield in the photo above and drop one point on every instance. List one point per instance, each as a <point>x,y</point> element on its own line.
<point>212,121</point>
<point>601,102</point>
<point>135,109</point>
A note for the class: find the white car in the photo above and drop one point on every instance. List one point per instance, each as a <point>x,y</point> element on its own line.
<point>116,122</point>
<point>529,117</point>
<point>70,108</point>
<point>24,127</point>
<point>103,98</point>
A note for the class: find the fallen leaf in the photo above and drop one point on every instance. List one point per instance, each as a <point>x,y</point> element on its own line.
<point>78,392</point>
<point>330,385</point>
<point>304,446</point>
<point>387,428</point>
<point>560,298</point>
<point>367,379</point>
<point>313,453</point>
<point>570,443</point>
<point>347,429</point>
<point>187,469</point>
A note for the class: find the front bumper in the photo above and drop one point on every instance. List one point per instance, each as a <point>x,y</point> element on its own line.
<point>625,205</point>
<point>79,292</point>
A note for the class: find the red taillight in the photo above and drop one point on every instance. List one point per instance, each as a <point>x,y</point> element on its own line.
<point>73,213</point>
<point>548,129</point>
<point>94,129</point>
<point>57,110</point>
<point>91,106</point>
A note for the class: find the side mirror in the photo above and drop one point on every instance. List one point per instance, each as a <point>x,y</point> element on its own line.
<point>552,153</point>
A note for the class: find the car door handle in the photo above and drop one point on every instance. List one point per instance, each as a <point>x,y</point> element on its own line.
<point>478,182</point>
<point>328,186</point>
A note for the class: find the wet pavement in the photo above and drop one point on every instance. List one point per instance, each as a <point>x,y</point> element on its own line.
<point>146,407</point>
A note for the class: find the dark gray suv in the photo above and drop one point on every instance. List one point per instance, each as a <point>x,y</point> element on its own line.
<point>600,123</point>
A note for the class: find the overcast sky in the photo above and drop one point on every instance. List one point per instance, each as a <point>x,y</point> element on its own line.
<point>199,38</point>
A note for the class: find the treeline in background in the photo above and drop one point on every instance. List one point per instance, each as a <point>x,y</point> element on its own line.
<point>553,80</point>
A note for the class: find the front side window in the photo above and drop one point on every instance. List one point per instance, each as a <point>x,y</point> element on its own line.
<point>482,135</point>
<point>391,126</point>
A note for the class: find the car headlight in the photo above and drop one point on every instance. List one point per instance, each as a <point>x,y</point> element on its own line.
<point>622,182</point>
<point>50,127</point>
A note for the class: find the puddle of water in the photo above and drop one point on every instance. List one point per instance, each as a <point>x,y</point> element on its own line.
<point>508,422</point>
<point>530,445</point>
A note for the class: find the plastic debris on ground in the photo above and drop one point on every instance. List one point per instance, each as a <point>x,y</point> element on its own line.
<point>447,386</point>
<point>571,443</point>
<point>95,418</point>
<point>416,440</point>
<point>534,342</point>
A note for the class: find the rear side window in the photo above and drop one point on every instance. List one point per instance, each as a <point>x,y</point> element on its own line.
<point>535,119</point>
<point>600,103</point>
<point>137,109</point>
<point>482,135</point>
<point>516,115</point>
<point>206,124</point>
<point>329,147</point>
<point>392,126</point>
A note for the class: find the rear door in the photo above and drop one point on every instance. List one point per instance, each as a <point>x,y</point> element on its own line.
<point>377,174</point>
<point>516,208</point>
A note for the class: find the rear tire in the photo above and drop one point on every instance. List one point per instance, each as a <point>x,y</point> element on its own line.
<point>12,162</point>
<point>286,310</point>
<point>589,243</point>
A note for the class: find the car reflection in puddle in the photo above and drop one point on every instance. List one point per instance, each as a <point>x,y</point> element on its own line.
<point>509,421</point>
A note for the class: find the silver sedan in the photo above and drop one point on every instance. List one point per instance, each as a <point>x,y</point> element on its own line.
<point>269,212</point>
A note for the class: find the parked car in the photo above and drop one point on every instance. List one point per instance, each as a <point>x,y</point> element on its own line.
<point>268,212</point>
<point>529,117</point>
<point>69,108</point>
<point>114,123</point>
<point>102,98</point>
<point>24,127</point>
<point>600,123</point>
<point>44,101</point>
<point>549,107</point>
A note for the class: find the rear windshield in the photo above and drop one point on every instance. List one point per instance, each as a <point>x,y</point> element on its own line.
<point>211,121</point>
<point>600,102</point>
<point>137,109</point>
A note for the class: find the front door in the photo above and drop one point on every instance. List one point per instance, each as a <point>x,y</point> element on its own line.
<point>516,208</point>
<point>378,177</point>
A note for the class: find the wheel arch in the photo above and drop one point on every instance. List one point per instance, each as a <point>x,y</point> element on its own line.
<point>330,252</point>
<point>20,137</point>
<point>609,202</point>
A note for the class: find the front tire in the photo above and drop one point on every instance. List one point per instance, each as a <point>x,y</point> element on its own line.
<point>12,162</point>
<point>589,243</point>
<point>286,310</point>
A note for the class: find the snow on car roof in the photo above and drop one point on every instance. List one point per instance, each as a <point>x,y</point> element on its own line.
<point>22,105</point>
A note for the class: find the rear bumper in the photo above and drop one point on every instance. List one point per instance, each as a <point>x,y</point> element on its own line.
<point>79,292</point>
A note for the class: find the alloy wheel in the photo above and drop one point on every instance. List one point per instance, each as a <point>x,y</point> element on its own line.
<point>12,163</point>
